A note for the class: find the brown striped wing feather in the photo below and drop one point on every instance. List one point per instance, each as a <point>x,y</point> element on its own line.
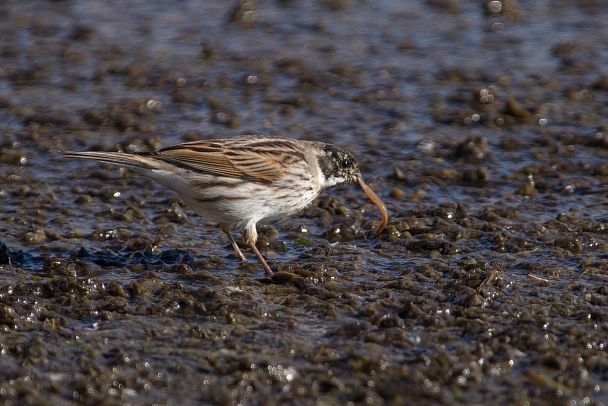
<point>262,162</point>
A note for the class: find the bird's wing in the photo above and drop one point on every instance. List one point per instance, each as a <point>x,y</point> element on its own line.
<point>255,160</point>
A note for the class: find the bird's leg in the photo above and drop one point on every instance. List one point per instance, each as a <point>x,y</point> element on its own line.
<point>261,259</point>
<point>226,229</point>
<point>250,234</point>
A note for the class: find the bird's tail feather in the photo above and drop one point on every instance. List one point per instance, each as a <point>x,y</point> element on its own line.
<point>117,158</point>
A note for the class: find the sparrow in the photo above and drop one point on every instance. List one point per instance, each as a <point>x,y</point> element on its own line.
<point>243,180</point>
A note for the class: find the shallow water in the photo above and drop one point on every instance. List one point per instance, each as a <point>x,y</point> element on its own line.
<point>484,132</point>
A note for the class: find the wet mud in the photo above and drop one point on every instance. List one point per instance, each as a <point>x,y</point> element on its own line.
<point>482,125</point>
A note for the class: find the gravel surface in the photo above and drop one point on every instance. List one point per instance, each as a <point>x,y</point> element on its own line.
<point>482,125</point>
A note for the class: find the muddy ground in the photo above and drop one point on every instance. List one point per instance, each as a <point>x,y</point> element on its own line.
<point>483,125</point>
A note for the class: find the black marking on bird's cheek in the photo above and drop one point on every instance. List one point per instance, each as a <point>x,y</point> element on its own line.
<point>327,165</point>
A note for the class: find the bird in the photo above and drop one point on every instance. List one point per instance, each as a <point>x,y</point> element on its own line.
<point>243,180</point>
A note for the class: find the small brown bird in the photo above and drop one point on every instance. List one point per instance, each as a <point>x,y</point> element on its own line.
<point>243,180</point>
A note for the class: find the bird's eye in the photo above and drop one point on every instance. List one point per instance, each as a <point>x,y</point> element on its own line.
<point>346,163</point>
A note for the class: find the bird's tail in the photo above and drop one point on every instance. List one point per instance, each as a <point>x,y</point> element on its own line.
<point>118,158</point>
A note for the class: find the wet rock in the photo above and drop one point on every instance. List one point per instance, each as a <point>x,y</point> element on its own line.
<point>528,188</point>
<point>8,316</point>
<point>473,150</point>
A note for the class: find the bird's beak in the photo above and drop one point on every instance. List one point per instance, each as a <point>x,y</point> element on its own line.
<point>374,198</point>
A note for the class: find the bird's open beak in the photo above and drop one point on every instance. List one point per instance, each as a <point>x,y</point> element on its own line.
<point>374,198</point>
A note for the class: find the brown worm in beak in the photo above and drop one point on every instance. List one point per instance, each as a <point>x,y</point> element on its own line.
<point>374,198</point>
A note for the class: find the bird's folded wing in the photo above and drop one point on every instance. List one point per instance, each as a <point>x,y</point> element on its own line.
<point>222,160</point>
